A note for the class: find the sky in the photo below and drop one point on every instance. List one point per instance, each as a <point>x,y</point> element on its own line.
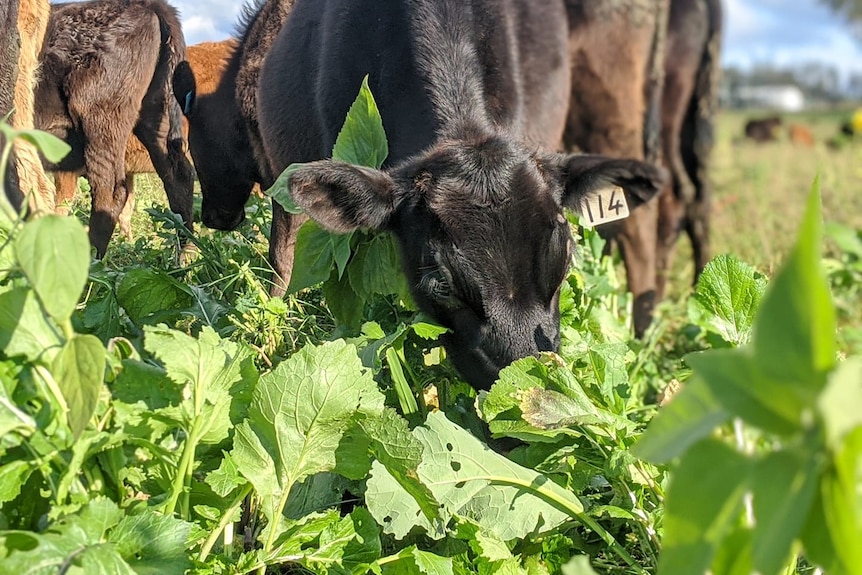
<point>756,31</point>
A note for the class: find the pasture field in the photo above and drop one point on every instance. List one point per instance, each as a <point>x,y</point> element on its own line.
<point>171,419</point>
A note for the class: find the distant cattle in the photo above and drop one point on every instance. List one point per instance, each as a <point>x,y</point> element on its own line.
<point>801,135</point>
<point>24,23</point>
<point>208,61</point>
<point>106,70</point>
<point>474,97</point>
<point>689,103</point>
<point>763,129</point>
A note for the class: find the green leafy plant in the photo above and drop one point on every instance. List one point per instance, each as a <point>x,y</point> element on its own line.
<point>799,481</point>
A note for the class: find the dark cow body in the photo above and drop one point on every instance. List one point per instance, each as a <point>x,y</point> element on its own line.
<point>10,45</point>
<point>106,71</point>
<point>617,49</point>
<point>763,129</point>
<point>224,138</point>
<point>473,97</point>
<point>689,103</point>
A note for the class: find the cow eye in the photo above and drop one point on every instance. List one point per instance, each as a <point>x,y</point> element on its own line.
<point>435,284</point>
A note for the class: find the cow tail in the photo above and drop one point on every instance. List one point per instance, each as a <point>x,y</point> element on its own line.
<point>655,84</point>
<point>173,52</point>
<point>705,98</point>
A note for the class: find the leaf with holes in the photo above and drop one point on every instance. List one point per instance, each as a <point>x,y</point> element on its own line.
<point>468,479</point>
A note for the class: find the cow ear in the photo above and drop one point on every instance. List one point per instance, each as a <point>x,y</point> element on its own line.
<point>585,174</point>
<point>185,89</point>
<point>342,197</point>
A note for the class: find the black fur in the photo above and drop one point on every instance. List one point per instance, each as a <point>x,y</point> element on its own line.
<point>473,97</point>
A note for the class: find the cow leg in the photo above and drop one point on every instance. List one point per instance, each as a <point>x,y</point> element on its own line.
<point>66,185</point>
<point>106,173</point>
<point>637,244</point>
<point>129,208</point>
<point>282,242</point>
<point>671,214</point>
<point>697,229</point>
<point>169,160</point>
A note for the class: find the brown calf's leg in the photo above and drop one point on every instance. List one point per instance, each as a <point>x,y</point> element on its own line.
<point>637,244</point>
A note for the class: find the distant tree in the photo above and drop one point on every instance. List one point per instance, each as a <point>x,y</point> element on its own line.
<point>850,9</point>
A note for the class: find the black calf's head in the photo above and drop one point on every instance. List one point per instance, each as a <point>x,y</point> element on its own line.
<point>484,241</point>
<point>220,149</point>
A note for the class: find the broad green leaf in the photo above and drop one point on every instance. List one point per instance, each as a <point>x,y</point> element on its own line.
<point>24,329</point>
<point>726,299</point>
<point>736,380</point>
<point>608,362</point>
<point>376,268</point>
<point>362,140</point>
<point>784,487</point>
<point>794,335</point>
<point>153,544</point>
<point>842,502</point>
<point>298,415</point>
<point>734,554</point>
<point>79,370</point>
<point>398,450</point>
<point>427,330</point>
<point>210,369</point>
<point>703,502</point>
<point>12,418</point>
<point>579,565</point>
<point>343,301</point>
<point>469,480</point>
<point>352,544</point>
<point>13,476</point>
<point>320,491</point>
<point>412,561</point>
<point>226,478</point>
<point>151,296</point>
<point>54,253</point>
<point>691,416</point>
<point>53,148</point>
<point>839,403</point>
<point>317,252</point>
<point>100,540</point>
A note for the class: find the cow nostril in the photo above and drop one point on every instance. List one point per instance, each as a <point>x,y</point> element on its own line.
<point>543,342</point>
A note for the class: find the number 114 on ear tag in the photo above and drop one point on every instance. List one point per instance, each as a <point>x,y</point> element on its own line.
<point>607,205</point>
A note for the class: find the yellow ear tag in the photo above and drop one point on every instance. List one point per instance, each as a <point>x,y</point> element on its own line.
<point>607,205</point>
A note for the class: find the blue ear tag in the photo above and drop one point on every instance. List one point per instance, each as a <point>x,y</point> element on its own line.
<point>187,108</point>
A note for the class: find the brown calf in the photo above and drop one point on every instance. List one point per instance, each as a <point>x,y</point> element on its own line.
<point>106,69</point>
<point>208,61</point>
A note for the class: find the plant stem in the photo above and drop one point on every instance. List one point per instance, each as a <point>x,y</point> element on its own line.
<point>184,470</point>
<point>225,519</point>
